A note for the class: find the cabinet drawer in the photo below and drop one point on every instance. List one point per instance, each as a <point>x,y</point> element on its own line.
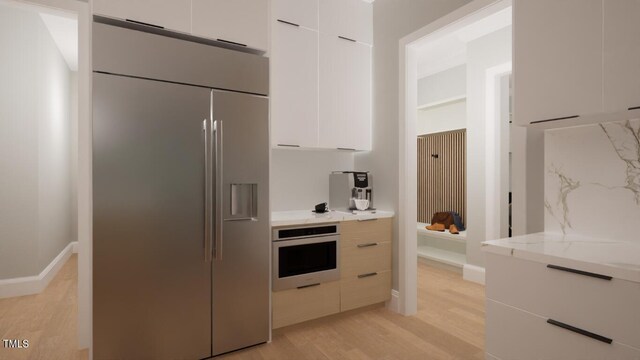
<point>353,233</point>
<point>365,258</point>
<point>365,289</point>
<point>515,334</point>
<point>606,307</point>
<point>298,305</point>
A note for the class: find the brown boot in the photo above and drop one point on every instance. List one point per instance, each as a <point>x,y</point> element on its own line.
<point>453,229</point>
<point>435,227</point>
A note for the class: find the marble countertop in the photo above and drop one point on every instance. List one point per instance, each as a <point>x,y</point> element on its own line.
<point>302,217</point>
<point>615,258</point>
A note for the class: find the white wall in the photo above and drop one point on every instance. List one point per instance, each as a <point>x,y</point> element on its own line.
<point>445,117</point>
<point>35,146</point>
<point>300,178</point>
<point>483,53</point>
<point>392,20</point>
<point>443,85</point>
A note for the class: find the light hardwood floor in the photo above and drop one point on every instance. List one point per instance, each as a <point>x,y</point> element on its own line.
<point>47,320</point>
<point>449,325</point>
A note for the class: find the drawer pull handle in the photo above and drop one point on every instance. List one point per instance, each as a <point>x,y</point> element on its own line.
<point>144,23</point>
<point>367,245</point>
<point>579,331</point>
<point>289,145</point>
<point>288,23</point>
<point>555,119</point>
<point>232,42</point>
<point>308,286</point>
<point>346,38</point>
<point>634,108</point>
<point>346,149</point>
<point>580,272</point>
<point>372,219</point>
<point>367,275</point>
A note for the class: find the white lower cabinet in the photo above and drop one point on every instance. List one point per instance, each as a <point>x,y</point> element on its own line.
<point>516,334</point>
<point>537,310</point>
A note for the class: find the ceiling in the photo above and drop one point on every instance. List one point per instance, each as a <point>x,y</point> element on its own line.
<point>450,50</point>
<point>64,31</point>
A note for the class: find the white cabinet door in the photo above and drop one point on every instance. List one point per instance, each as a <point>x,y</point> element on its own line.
<point>557,59</point>
<point>352,19</point>
<point>621,54</point>
<point>345,94</point>
<point>239,21</point>
<point>294,86</point>
<point>170,14</point>
<point>299,12</point>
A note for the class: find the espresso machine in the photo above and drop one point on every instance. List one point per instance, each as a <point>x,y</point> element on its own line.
<point>347,186</point>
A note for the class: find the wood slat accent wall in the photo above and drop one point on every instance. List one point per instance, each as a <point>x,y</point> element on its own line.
<point>442,181</point>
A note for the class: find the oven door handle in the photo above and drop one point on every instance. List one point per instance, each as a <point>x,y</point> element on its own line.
<point>307,286</point>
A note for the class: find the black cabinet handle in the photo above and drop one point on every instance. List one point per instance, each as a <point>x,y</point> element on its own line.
<point>288,23</point>
<point>555,119</point>
<point>346,38</point>
<point>634,108</point>
<point>346,149</point>
<point>580,272</point>
<point>288,145</point>
<point>232,42</point>
<point>367,275</point>
<point>144,23</point>
<point>580,331</point>
<point>367,245</point>
<point>307,286</point>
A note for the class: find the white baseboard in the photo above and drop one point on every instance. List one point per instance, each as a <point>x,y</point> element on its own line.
<point>74,247</point>
<point>394,303</point>
<point>473,273</point>
<point>30,285</point>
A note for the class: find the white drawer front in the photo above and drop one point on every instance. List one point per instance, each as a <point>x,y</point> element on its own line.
<point>515,334</point>
<point>607,307</point>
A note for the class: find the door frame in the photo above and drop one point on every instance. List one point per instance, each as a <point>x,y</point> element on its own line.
<point>408,101</point>
<point>82,11</point>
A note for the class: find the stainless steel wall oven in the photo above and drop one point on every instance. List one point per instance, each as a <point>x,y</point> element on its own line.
<point>305,256</point>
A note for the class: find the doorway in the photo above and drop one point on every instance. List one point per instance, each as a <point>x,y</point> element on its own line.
<point>475,38</point>
<point>44,128</point>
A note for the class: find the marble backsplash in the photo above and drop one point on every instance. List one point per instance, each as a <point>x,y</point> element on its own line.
<point>592,180</point>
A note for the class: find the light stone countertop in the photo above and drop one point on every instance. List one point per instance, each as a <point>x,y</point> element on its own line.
<point>304,217</point>
<point>618,259</point>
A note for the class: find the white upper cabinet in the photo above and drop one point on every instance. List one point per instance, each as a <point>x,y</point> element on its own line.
<point>345,94</point>
<point>170,14</point>
<point>347,18</point>
<point>238,21</point>
<point>299,12</point>
<point>621,54</point>
<point>558,62</point>
<point>294,86</point>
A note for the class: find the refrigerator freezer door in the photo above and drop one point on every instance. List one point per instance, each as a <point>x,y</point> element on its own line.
<point>241,268</point>
<point>151,282</point>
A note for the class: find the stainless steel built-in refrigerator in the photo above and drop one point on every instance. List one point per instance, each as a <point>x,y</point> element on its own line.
<point>180,197</point>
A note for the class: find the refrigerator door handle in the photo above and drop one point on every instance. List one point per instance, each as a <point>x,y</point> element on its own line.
<point>207,129</point>
<point>217,250</point>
